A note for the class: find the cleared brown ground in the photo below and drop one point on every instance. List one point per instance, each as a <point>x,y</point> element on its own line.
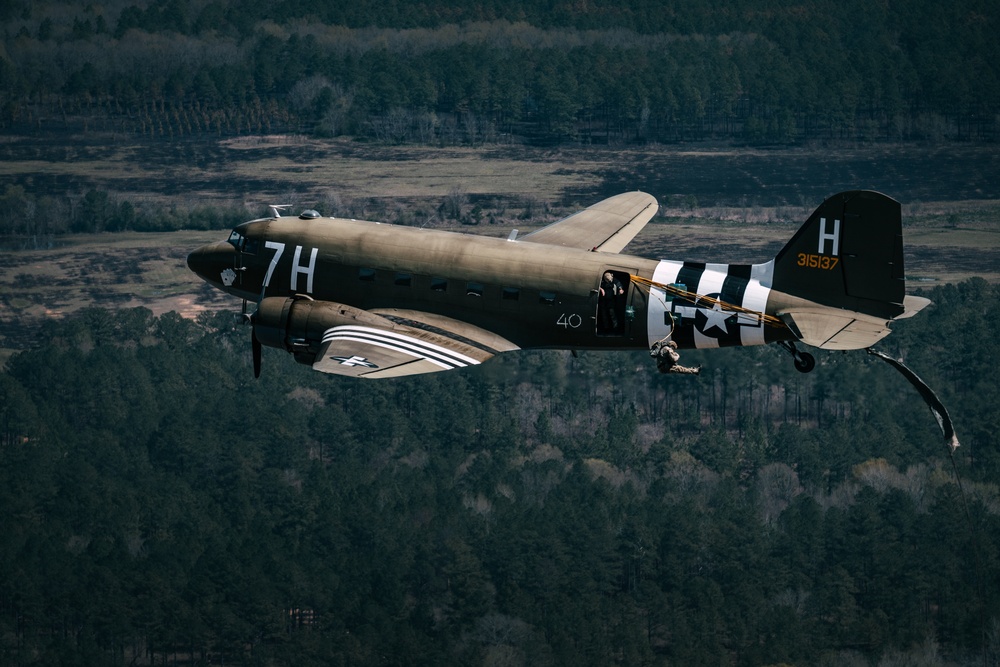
<point>264,169</point>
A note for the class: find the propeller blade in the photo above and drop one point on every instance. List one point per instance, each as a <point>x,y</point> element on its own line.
<point>255,345</point>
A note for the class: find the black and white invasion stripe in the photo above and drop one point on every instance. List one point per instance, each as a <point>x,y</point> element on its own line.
<point>402,343</point>
<point>698,323</point>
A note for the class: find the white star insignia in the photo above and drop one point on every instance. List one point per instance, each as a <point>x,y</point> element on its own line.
<point>715,318</point>
<point>354,361</point>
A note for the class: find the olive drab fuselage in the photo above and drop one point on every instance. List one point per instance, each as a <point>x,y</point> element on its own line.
<point>535,295</point>
<point>375,300</point>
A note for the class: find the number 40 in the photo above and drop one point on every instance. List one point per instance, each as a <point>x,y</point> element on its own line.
<point>571,321</point>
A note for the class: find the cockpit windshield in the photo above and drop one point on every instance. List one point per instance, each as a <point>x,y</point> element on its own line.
<point>237,239</point>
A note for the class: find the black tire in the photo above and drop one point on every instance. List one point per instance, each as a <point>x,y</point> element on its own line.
<point>805,362</point>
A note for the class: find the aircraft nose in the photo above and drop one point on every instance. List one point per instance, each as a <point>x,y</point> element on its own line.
<point>209,261</point>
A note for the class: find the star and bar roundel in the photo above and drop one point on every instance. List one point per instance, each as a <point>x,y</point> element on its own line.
<point>700,323</point>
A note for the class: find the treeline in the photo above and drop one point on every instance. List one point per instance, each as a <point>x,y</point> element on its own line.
<point>161,506</point>
<point>438,72</point>
<point>34,220</point>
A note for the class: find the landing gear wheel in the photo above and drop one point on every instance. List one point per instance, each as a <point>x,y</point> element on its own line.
<point>804,362</point>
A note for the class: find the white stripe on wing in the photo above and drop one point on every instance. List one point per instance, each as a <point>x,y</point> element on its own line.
<point>410,345</point>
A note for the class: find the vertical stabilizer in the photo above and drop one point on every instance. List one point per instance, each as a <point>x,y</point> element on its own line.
<point>849,255</point>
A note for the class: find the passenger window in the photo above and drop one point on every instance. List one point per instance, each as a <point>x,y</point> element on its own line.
<point>403,280</point>
<point>510,294</point>
<point>366,275</point>
<point>548,298</point>
<point>439,285</point>
<point>474,289</point>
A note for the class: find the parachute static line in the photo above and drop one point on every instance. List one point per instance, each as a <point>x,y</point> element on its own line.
<point>951,441</point>
<point>933,402</point>
<point>694,297</point>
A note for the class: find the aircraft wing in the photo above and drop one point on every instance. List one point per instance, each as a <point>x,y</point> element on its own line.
<point>607,226</point>
<point>395,343</point>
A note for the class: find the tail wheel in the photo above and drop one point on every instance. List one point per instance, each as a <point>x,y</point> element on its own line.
<point>804,362</point>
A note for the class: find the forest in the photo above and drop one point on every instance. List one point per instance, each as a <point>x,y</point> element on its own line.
<point>160,506</point>
<point>445,73</point>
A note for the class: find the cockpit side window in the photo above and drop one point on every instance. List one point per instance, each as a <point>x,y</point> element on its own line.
<point>242,243</point>
<point>236,239</point>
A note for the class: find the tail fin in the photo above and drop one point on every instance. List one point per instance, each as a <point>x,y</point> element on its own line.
<point>848,255</point>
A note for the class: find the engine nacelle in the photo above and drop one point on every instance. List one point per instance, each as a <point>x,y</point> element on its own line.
<point>297,324</point>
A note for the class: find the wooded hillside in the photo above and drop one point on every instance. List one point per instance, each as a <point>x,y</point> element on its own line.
<point>601,71</point>
<point>159,505</point>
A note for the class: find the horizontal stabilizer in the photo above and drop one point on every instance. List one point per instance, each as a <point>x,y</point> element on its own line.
<point>836,329</point>
<point>913,305</point>
<point>830,329</point>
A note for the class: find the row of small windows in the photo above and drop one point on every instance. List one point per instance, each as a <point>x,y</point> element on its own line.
<point>441,285</point>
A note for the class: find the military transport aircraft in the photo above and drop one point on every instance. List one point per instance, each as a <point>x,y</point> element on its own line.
<point>374,300</point>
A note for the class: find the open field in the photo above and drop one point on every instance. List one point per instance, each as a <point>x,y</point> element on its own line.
<point>716,205</point>
<point>300,171</point>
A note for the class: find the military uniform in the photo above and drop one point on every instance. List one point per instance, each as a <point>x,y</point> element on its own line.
<point>665,353</point>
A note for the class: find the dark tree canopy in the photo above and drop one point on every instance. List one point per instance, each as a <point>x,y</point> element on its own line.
<point>595,72</point>
<point>160,506</point>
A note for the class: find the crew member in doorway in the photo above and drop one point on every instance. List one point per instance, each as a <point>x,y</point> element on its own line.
<point>611,291</point>
<point>665,353</point>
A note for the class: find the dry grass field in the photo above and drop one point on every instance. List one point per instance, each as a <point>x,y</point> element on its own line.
<point>262,169</point>
<point>716,205</point>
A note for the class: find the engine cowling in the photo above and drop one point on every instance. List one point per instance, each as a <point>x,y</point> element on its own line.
<point>297,324</point>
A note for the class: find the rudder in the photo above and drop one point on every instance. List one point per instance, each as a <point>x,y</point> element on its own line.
<point>848,254</point>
